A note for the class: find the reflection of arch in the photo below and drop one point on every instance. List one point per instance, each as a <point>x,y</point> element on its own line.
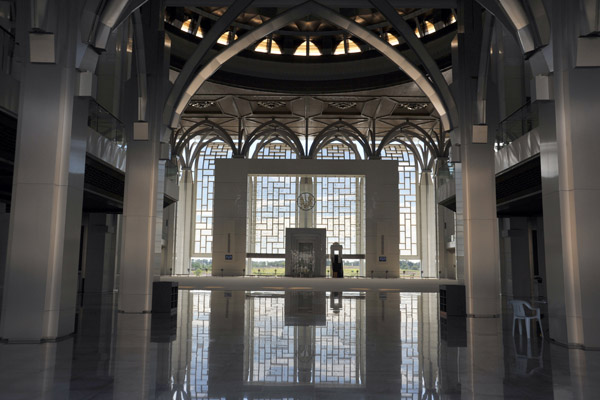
<point>328,134</point>
<point>273,127</point>
<point>309,8</point>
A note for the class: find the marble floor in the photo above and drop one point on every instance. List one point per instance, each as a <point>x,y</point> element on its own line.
<point>295,344</point>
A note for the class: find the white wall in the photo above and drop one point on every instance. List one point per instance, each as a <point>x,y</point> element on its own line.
<point>230,203</point>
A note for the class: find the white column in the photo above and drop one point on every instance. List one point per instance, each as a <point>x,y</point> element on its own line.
<point>476,190</point>
<point>185,221</point>
<point>427,239</point>
<point>45,221</point>
<point>144,177</point>
<point>576,88</point>
<point>429,343</point>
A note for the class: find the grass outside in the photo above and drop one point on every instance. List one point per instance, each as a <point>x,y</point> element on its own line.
<point>280,271</point>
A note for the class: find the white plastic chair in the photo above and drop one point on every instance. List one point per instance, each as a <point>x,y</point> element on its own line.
<point>519,313</point>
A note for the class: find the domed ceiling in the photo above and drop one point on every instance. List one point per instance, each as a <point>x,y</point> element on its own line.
<point>310,55</point>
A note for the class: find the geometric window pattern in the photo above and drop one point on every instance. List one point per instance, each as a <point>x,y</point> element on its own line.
<point>276,151</point>
<point>274,351</point>
<point>336,151</point>
<point>205,186</point>
<point>200,342</point>
<point>340,210</point>
<point>407,187</point>
<point>409,325</point>
<point>272,208</point>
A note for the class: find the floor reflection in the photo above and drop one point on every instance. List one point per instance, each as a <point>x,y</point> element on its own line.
<point>298,343</point>
<point>294,345</point>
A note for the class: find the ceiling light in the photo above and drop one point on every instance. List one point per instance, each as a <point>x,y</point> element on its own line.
<point>271,104</point>
<point>413,106</point>
<point>201,104</point>
<point>342,105</point>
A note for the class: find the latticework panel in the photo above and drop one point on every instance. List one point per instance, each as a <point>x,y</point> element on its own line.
<point>200,343</point>
<point>340,210</point>
<point>409,333</point>
<point>407,187</point>
<point>276,151</point>
<point>329,354</point>
<point>205,185</point>
<point>271,209</point>
<point>336,151</point>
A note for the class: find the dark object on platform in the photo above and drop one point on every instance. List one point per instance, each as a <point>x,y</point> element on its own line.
<point>452,301</point>
<point>337,267</point>
<point>453,331</point>
<point>163,328</point>
<point>164,297</point>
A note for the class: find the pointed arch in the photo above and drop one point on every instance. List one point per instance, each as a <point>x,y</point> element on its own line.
<point>402,131</point>
<point>268,140</point>
<point>268,128</point>
<point>193,131</point>
<point>417,46</point>
<point>342,128</point>
<point>346,141</point>
<point>309,8</point>
<point>411,147</point>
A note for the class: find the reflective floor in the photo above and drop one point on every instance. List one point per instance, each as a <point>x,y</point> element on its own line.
<point>295,345</point>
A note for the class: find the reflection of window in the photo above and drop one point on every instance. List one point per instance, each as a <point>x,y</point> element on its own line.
<point>186,26</point>
<point>429,27</point>
<point>275,49</point>
<point>392,39</point>
<point>353,47</point>
<point>313,50</point>
<point>224,38</point>
<point>276,353</point>
<point>263,46</point>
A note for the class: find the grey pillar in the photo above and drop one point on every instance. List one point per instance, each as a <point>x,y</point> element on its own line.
<point>182,346</point>
<point>144,177</point>
<point>4,223</point>
<point>135,357</point>
<point>185,221</point>
<point>45,222</point>
<point>476,180</point>
<point>100,253</point>
<point>576,88</point>
<point>168,248</point>
<point>483,371</point>
<point>517,274</point>
<point>383,333</point>
<point>427,222</point>
<point>429,330</point>
<point>555,285</point>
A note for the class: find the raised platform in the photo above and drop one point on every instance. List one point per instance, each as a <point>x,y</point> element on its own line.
<point>317,284</point>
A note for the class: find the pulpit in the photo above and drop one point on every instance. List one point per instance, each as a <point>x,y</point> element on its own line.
<point>305,252</point>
